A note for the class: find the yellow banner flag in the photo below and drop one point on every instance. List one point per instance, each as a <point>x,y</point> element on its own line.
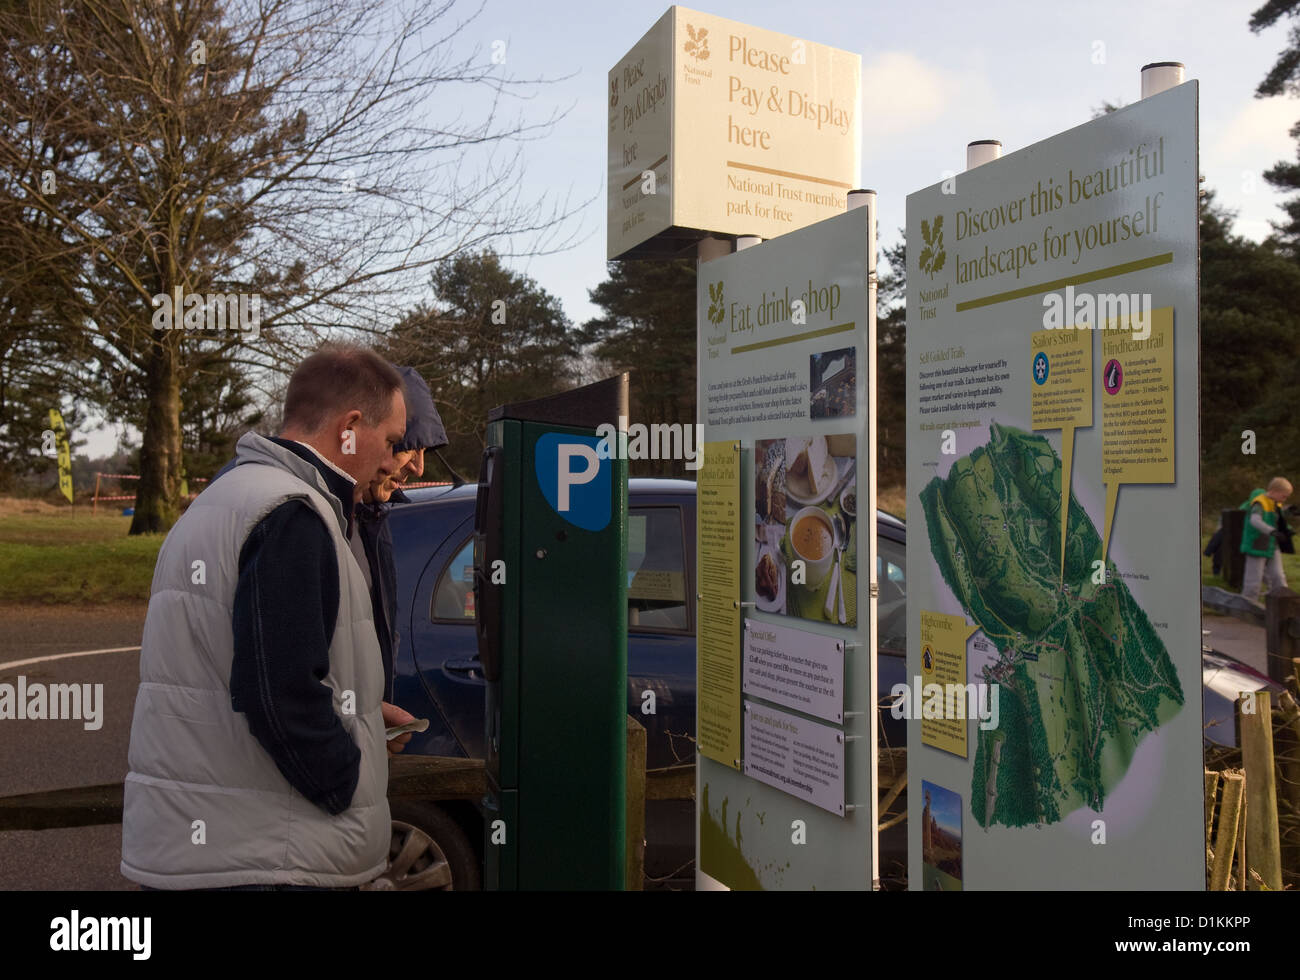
<point>65,454</point>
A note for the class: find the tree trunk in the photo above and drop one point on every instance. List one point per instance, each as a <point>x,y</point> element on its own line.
<point>157,499</point>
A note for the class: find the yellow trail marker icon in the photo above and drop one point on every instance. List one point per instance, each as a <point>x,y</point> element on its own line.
<point>1137,406</point>
<point>1061,397</point>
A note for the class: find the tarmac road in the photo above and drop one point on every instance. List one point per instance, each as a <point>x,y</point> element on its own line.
<point>43,755</point>
<point>38,755</point>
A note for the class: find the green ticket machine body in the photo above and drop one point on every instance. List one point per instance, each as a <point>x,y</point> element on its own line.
<point>550,580</point>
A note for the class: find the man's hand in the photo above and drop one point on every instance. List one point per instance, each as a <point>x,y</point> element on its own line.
<point>394,716</point>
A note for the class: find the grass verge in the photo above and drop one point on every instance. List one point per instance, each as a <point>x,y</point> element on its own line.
<point>56,558</point>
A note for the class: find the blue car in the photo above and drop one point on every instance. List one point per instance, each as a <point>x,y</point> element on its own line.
<point>438,676</point>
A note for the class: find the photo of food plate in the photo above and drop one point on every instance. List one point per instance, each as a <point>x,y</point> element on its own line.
<point>805,557</point>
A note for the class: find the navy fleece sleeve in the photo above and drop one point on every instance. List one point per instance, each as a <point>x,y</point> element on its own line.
<point>286,604</point>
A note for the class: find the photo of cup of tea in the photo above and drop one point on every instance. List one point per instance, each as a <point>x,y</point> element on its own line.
<point>813,541</point>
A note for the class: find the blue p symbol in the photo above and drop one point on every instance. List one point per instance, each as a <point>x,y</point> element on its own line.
<point>576,482</point>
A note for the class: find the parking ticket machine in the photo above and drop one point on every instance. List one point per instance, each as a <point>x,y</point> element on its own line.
<point>550,582</point>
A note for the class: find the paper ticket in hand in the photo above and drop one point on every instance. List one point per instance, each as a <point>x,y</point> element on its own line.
<point>419,725</point>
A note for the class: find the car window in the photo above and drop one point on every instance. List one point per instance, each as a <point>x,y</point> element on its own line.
<point>656,574</point>
<point>891,604</point>
<point>656,569</point>
<point>453,598</point>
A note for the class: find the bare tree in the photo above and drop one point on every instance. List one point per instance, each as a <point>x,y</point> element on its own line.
<point>299,155</point>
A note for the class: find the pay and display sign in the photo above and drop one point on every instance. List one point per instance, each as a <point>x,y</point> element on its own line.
<point>722,127</point>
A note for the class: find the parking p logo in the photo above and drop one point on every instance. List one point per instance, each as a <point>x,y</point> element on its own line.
<point>576,482</point>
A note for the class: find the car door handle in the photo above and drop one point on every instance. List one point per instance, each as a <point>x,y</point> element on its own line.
<point>464,666</point>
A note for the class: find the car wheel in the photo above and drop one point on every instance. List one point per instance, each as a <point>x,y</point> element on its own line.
<point>428,852</point>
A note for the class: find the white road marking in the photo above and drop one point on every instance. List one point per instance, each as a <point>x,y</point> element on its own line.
<point>65,656</point>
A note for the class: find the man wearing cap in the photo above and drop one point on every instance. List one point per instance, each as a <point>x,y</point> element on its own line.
<point>373,544</point>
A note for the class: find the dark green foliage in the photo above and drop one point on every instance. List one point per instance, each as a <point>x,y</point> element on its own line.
<point>490,337</point>
<point>648,329</point>
<point>891,371</point>
<point>1250,362</point>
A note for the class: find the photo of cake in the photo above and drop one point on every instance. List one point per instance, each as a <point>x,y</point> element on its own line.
<point>810,470</point>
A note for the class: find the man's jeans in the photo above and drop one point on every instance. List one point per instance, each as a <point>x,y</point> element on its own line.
<point>1269,568</point>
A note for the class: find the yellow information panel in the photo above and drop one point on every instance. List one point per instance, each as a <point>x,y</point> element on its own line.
<point>1137,406</point>
<point>945,707</point>
<point>1061,397</point>
<point>718,642</point>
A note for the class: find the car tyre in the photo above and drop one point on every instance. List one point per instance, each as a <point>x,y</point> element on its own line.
<point>428,852</point>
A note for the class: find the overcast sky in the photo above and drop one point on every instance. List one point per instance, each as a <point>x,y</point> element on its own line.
<point>936,75</point>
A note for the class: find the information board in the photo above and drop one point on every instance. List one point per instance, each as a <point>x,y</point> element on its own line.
<point>786,355</point>
<point>1053,589</point>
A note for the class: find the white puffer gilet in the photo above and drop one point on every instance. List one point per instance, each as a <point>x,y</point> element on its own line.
<point>192,757</point>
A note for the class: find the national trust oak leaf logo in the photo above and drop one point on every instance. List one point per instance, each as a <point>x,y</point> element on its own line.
<point>698,45</point>
<point>933,255</point>
<point>717,308</point>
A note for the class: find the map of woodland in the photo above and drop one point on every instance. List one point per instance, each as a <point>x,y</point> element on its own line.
<point>1083,676</point>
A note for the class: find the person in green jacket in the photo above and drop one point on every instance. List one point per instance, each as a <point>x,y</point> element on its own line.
<point>1259,538</point>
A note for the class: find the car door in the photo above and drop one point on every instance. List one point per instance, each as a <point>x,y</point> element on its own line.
<point>444,643</point>
<point>661,661</point>
<point>661,629</point>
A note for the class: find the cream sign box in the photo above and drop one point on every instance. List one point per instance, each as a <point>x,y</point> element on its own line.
<point>745,131</point>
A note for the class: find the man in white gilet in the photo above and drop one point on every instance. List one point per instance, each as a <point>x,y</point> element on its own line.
<point>257,755</point>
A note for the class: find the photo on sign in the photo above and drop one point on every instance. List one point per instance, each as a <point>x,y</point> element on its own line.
<point>805,527</point>
<point>940,839</point>
<point>833,384</point>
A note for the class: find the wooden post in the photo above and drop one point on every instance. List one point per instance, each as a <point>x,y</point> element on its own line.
<point>1261,787</point>
<point>1243,869</point>
<point>1234,562</point>
<point>94,504</point>
<point>1282,633</point>
<point>1225,841</point>
<point>1286,750</point>
<point>635,848</point>
<point>1211,790</point>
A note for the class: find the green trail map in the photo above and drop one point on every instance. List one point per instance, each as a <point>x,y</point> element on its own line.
<point>1083,676</point>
